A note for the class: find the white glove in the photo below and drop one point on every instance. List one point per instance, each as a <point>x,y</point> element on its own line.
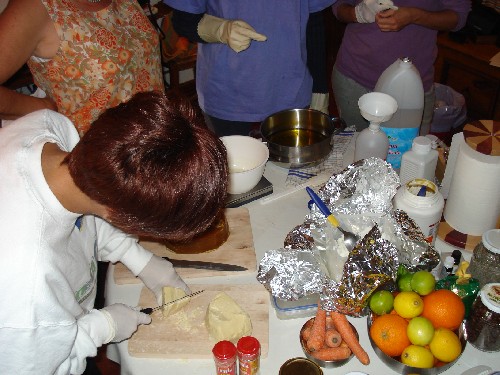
<point>237,34</point>
<point>320,102</point>
<point>123,321</point>
<point>367,9</point>
<point>158,273</point>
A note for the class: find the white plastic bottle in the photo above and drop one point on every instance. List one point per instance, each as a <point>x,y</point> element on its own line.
<point>371,142</point>
<point>419,162</point>
<point>424,210</point>
<point>402,81</point>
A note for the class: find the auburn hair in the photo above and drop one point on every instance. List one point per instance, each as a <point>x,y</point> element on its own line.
<point>155,165</point>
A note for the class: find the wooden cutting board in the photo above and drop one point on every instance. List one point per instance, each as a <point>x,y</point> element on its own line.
<point>238,249</point>
<point>184,335</point>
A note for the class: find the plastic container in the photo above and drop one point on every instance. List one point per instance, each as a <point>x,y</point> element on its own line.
<point>225,358</point>
<point>424,210</point>
<point>402,81</point>
<point>483,325</point>
<point>248,348</point>
<point>302,308</point>
<point>419,162</point>
<point>485,260</point>
<point>371,142</point>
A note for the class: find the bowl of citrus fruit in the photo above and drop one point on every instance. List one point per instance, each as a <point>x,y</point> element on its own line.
<point>417,329</point>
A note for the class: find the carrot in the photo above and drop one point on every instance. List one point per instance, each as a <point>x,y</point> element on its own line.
<point>348,335</point>
<point>318,330</point>
<point>329,322</point>
<point>332,338</point>
<point>306,333</point>
<point>332,354</point>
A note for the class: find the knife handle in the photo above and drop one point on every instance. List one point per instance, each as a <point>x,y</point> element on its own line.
<point>147,310</point>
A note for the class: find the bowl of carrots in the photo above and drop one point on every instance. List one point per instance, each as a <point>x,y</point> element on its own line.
<point>330,340</point>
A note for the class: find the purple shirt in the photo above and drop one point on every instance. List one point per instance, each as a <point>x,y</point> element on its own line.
<point>267,77</point>
<point>366,51</point>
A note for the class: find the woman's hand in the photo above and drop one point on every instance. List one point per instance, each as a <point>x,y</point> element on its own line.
<point>395,20</point>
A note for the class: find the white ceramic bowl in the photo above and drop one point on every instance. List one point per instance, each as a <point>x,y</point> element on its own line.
<point>247,158</point>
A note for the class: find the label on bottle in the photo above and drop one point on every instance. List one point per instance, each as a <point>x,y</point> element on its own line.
<point>400,141</point>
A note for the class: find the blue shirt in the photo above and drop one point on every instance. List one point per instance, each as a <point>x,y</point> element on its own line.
<point>267,77</point>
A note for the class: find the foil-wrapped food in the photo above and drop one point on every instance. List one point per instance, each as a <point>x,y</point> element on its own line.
<point>315,260</point>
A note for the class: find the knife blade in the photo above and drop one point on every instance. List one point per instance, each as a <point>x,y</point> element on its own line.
<point>150,310</point>
<point>214,266</point>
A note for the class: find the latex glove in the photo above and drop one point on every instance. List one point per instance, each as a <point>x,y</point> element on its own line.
<point>320,102</point>
<point>123,321</point>
<point>367,9</point>
<point>158,273</point>
<point>237,34</point>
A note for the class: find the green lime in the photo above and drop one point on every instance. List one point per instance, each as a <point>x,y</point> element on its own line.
<point>404,282</point>
<point>381,302</point>
<point>420,331</point>
<point>423,282</point>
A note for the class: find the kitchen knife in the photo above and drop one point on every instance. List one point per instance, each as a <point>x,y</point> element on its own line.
<point>181,263</point>
<point>150,310</point>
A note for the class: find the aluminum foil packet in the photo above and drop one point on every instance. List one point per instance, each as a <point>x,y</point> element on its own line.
<point>360,197</point>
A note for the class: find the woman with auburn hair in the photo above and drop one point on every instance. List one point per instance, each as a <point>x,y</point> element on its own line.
<point>86,56</point>
<point>161,173</point>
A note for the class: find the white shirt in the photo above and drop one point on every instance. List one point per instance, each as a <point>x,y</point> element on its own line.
<point>49,255</point>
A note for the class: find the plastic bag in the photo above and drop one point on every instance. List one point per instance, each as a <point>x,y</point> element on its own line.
<point>449,111</point>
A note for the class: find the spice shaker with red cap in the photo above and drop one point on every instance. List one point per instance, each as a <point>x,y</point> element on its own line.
<point>225,358</point>
<point>248,355</point>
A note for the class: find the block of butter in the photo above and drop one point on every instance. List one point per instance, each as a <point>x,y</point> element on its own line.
<point>171,294</point>
<point>226,320</point>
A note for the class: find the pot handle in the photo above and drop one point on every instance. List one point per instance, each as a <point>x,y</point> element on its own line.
<point>341,127</point>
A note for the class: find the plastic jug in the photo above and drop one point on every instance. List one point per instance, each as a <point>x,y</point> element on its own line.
<point>402,81</point>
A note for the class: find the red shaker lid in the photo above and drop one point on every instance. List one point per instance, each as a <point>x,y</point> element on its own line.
<point>224,350</point>
<point>248,345</point>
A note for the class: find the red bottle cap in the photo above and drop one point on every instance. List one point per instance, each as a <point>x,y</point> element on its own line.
<point>248,345</point>
<point>224,350</point>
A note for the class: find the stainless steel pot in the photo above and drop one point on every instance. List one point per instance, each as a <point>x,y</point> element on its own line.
<point>299,137</point>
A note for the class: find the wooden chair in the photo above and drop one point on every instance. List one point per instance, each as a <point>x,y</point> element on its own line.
<point>178,56</point>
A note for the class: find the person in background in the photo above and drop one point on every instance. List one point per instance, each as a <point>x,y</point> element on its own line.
<point>85,55</point>
<point>380,32</point>
<point>148,167</point>
<point>252,58</point>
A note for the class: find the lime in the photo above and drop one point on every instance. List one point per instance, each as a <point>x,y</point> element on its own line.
<point>420,331</point>
<point>423,282</point>
<point>408,304</point>
<point>445,345</point>
<point>417,356</point>
<point>381,302</point>
<point>404,282</point>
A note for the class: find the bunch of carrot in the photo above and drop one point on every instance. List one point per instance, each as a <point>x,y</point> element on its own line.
<point>330,337</point>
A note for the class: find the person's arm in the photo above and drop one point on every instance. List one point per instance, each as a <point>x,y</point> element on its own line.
<point>205,28</point>
<point>395,20</point>
<point>452,17</point>
<point>186,25</point>
<point>345,13</point>
<point>24,26</point>
<point>155,272</point>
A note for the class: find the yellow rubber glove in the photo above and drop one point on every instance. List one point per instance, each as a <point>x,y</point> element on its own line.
<point>237,34</point>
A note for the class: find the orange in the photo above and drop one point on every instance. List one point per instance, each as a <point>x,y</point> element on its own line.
<point>444,309</point>
<point>388,332</point>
